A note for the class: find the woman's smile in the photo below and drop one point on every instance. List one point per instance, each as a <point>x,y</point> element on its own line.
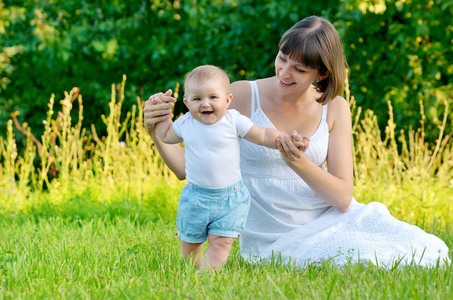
<point>286,83</point>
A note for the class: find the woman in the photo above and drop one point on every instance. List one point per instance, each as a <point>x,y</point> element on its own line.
<point>301,210</point>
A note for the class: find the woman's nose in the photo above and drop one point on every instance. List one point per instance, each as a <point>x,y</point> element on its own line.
<point>284,70</point>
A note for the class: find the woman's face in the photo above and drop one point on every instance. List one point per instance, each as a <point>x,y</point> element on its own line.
<point>293,76</point>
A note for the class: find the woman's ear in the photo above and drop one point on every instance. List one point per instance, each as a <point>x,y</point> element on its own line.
<point>322,77</point>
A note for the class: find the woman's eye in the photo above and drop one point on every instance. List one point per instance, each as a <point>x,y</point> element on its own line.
<point>300,71</point>
<point>282,58</point>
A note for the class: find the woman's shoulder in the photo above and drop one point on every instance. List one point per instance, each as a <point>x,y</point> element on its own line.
<point>338,103</point>
<point>338,111</point>
<point>241,91</point>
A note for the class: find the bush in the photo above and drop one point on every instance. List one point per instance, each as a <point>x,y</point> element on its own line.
<point>397,50</point>
<point>71,174</point>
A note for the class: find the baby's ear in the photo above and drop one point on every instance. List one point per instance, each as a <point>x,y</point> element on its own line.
<point>185,101</point>
<point>229,98</point>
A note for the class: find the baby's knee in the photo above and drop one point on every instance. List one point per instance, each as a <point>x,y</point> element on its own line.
<point>220,242</point>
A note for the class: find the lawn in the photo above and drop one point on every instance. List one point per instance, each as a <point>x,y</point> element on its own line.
<point>118,258</point>
<point>91,217</point>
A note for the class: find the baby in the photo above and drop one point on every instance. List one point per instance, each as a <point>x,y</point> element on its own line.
<point>215,202</point>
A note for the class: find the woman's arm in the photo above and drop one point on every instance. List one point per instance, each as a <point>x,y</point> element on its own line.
<point>172,155</point>
<point>335,186</point>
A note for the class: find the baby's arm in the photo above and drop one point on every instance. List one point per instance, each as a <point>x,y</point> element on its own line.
<point>164,129</point>
<point>262,136</point>
<point>294,143</point>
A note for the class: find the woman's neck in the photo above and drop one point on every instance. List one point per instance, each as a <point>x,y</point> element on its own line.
<point>287,111</point>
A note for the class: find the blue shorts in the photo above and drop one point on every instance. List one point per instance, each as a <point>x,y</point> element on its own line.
<point>218,211</point>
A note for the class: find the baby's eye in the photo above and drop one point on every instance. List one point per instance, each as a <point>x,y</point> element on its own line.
<point>213,97</point>
<point>196,99</point>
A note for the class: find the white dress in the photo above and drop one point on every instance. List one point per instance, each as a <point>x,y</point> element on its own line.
<point>288,219</point>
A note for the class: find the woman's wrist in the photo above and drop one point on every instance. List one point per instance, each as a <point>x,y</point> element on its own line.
<point>298,165</point>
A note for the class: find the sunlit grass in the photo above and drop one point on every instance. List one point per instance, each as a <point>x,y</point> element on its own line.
<point>118,258</point>
<point>411,175</point>
<point>70,171</point>
<point>69,163</point>
<point>84,216</point>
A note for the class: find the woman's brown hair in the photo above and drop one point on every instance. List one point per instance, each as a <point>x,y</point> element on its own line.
<point>315,43</point>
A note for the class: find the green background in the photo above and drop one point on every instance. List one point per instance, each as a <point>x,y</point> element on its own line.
<point>397,50</point>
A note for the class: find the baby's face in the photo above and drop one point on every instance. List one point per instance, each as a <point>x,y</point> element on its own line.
<point>208,101</point>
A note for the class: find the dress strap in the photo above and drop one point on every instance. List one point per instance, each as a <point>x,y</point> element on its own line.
<point>255,97</point>
<point>324,112</point>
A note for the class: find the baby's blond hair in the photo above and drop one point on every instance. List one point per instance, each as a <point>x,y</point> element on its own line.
<point>204,73</point>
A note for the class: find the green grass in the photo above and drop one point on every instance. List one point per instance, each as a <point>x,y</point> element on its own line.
<point>122,259</point>
<point>88,217</point>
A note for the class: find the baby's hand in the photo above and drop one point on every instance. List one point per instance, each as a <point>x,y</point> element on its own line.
<point>155,99</point>
<point>301,142</point>
<point>292,145</point>
<point>157,109</point>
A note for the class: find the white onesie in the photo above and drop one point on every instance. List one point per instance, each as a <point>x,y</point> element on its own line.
<point>212,151</point>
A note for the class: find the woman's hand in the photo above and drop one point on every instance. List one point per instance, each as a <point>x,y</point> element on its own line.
<point>157,109</point>
<point>301,142</point>
<point>292,146</point>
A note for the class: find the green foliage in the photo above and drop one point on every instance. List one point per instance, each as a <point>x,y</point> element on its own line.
<point>60,172</point>
<point>406,171</point>
<point>71,172</point>
<point>83,216</point>
<point>90,44</point>
<point>398,50</point>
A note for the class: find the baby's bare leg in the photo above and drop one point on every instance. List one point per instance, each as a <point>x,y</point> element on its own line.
<point>192,251</point>
<point>218,251</point>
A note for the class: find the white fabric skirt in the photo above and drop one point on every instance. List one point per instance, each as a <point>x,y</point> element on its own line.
<point>365,233</point>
